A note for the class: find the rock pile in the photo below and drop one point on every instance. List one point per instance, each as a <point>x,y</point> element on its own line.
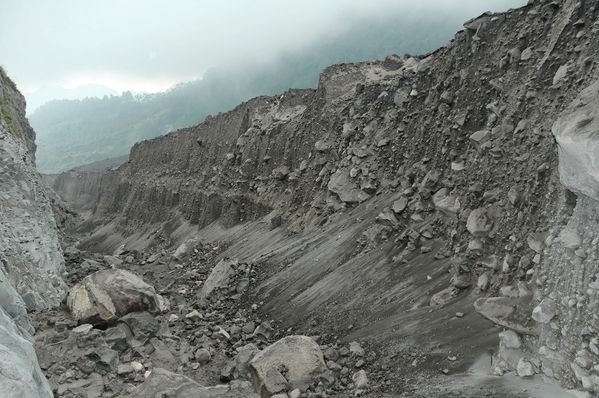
<point>117,338</point>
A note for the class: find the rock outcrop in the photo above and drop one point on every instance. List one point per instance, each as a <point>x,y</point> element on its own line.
<point>577,135</point>
<point>31,262</point>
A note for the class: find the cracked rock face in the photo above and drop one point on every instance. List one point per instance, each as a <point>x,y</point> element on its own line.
<point>20,375</point>
<point>31,262</point>
<point>566,278</point>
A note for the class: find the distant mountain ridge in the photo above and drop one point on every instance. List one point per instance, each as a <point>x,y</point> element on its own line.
<point>49,93</point>
<point>77,132</point>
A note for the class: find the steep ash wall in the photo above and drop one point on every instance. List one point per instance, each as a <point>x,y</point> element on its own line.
<point>446,161</point>
<point>31,253</point>
<point>31,262</point>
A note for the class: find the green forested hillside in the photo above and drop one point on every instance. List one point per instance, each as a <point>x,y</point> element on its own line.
<point>76,132</point>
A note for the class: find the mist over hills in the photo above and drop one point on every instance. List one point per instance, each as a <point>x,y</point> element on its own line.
<point>76,132</point>
<point>46,94</point>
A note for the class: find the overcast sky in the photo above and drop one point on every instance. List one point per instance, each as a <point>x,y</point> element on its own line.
<point>149,45</point>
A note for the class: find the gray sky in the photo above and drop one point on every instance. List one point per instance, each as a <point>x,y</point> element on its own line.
<point>149,45</point>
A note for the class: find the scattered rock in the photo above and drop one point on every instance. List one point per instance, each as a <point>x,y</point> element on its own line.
<point>446,203</point>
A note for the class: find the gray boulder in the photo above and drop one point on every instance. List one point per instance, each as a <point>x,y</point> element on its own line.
<point>242,361</point>
<point>292,362</point>
<point>510,312</point>
<point>479,223</point>
<point>219,277</point>
<point>446,203</point>
<point>109,294</point>
<point>342,185</point>
<point>400,205</point>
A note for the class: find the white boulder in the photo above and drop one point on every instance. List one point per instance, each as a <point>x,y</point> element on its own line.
<point>577,135</point>
<point>107,295</point>
<point>298,357</point>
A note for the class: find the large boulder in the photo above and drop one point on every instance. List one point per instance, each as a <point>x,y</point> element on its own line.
<point>243,358</point>
<point>290,363</point>
<point>107,295</point>
<point>510,312</point>
<point>479,223</point>
<point>446,203</point>
<point>219,277</point>
<point>342,185</point>
<point>577,135</point>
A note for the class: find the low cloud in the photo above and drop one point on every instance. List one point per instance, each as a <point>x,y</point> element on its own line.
<point>152,43</point>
